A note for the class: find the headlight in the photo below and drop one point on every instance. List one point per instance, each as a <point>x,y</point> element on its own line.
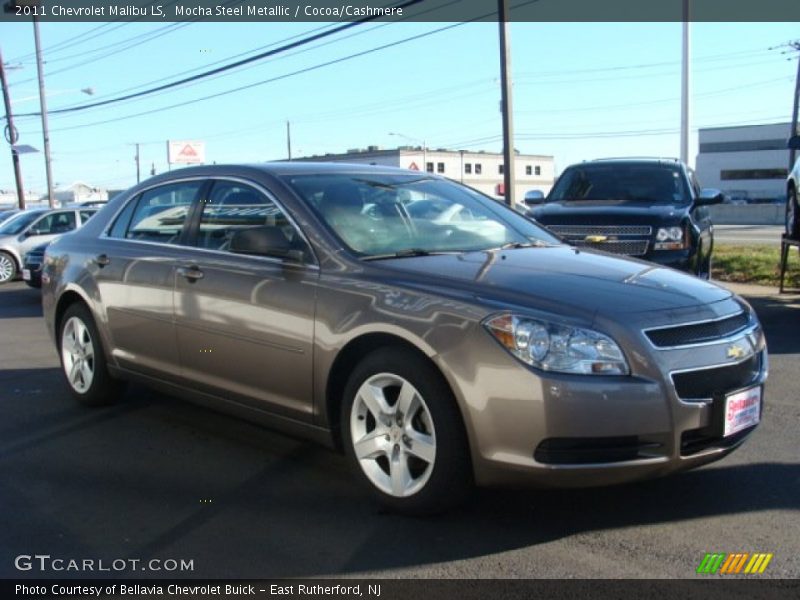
<point>670,238</point>
<point>559,348</point>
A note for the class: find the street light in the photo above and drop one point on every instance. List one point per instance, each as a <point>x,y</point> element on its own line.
<point>415,140</point>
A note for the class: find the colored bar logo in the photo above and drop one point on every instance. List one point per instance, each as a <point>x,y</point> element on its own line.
<point>732,564</point>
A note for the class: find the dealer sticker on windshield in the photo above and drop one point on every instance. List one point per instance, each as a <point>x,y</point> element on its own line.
<point>742,410</point>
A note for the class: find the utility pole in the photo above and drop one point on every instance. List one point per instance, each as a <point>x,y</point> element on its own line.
<point>289,139</point>
<point>507,106</point>
<point>685,85</point>
<point>795,130</point>
<point>11,135</point>
<point>137,164</point>
<point>51,199</point>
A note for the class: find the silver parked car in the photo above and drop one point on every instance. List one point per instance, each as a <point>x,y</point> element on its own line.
<point>31,228</point>
<point>437,337</point>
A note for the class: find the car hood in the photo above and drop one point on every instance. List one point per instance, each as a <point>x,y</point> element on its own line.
<point>608,213</point>
<point>554,278</point>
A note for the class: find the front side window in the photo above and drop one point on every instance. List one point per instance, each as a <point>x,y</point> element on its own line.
<point>87,214</point>
<point>377,215</point>
<point>161,212</point>
<point>233,206</point>
<point>634,183</point>
<point>55,223</point>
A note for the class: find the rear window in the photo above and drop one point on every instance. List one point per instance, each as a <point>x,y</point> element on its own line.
<point>640,183</point>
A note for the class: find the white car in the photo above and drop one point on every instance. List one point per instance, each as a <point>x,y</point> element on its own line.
<point>31,228</point>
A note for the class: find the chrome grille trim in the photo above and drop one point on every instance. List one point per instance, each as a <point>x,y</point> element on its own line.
<point>626,247</point>
<point>584,230</point>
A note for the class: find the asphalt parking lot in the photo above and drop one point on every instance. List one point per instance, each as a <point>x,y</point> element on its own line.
<point>155,477</point>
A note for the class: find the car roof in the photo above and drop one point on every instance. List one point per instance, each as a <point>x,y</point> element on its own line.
<point>637,160</point>
<point>280,168</point>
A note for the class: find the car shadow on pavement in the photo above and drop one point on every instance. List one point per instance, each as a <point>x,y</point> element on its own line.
<point>18,300</point>
<point>780,318</point>
<point>158,477</point>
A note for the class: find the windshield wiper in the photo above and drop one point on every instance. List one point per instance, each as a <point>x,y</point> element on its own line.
<point>531,244</point>
<point>407,253</point>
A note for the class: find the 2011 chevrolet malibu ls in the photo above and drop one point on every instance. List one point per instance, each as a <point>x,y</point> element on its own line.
<point>436,337</point>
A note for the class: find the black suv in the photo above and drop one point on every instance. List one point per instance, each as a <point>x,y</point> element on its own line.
<point>652,209</point>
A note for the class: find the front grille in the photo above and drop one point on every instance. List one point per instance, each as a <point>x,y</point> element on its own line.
<point>564,451</point>
<point>630,240</point>
<point>697,333</point>
<point>707,383</point>
<point>628,248</point>
<point>581,231</point>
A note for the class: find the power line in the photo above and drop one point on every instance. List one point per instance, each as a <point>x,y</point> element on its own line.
<point>82,38</point>
<point>227,67</point>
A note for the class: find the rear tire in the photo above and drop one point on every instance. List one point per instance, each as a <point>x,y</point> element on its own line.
<point>792,215</point>
<point>403,433</point>
<point>8,267</point>
<point>83,360</point>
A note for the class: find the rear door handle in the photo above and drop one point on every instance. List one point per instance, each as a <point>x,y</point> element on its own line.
<point>190,273</point>
<point>102,260</point>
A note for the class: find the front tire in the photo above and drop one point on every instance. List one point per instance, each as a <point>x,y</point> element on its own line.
<point>8,267</point>
<point>403,433</point>
<point>83,360</point>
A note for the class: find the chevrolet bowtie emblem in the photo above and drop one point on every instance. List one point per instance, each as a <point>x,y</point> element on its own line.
<point>594,239</point>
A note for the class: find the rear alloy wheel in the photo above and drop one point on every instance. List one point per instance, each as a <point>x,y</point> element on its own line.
<point>403,433</point>
<point>8,268</point>
<point>83,361</point>
<point>792,215</point>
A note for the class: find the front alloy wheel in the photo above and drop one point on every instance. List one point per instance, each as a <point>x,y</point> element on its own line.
<point>404,434</point>
<point>393,435</point>
<point>8,268</point>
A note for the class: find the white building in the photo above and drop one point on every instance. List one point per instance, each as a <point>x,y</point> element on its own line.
<point>80,192</point>
<point>9,199</point>
<point>480,170</point>
<point>748,161</point>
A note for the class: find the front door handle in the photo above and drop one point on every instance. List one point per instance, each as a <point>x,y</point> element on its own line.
<point>102,260</point>
<point>192,273</point>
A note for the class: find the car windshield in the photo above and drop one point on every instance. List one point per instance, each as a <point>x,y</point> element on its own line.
<point>380,215</point>
<point>642,183</point>
<point>19,222</point>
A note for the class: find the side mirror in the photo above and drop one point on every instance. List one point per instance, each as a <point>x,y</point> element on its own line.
<point>710,196</point>
<point>794,142</point>
<point>533,197</point>
<point>264,241</point>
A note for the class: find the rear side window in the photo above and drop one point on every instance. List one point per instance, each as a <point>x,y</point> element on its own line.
<point>86,215</point>
<point>161,212</point>
<point>121,224</point>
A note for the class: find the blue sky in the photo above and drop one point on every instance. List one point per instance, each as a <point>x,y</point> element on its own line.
<point>581,91</point>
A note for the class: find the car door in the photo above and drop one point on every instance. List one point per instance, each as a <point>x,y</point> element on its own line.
<point>133,265</point>
<point>245,324</point>
<point>45,229</point>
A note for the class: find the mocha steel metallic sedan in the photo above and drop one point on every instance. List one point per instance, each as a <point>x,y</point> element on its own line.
<point>436,337</point>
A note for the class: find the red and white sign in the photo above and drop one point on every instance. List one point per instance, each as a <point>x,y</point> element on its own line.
<point>413,167</point>
<point>186,152</point>
<point>742,410</point>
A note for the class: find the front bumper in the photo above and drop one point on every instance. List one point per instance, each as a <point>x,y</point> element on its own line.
<point>682,260</point>
<point>552,430</point>
<point>32,274</point>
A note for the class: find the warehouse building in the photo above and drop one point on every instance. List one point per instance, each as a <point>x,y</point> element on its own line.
<point>749,162</point>
<point>480,170</point>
